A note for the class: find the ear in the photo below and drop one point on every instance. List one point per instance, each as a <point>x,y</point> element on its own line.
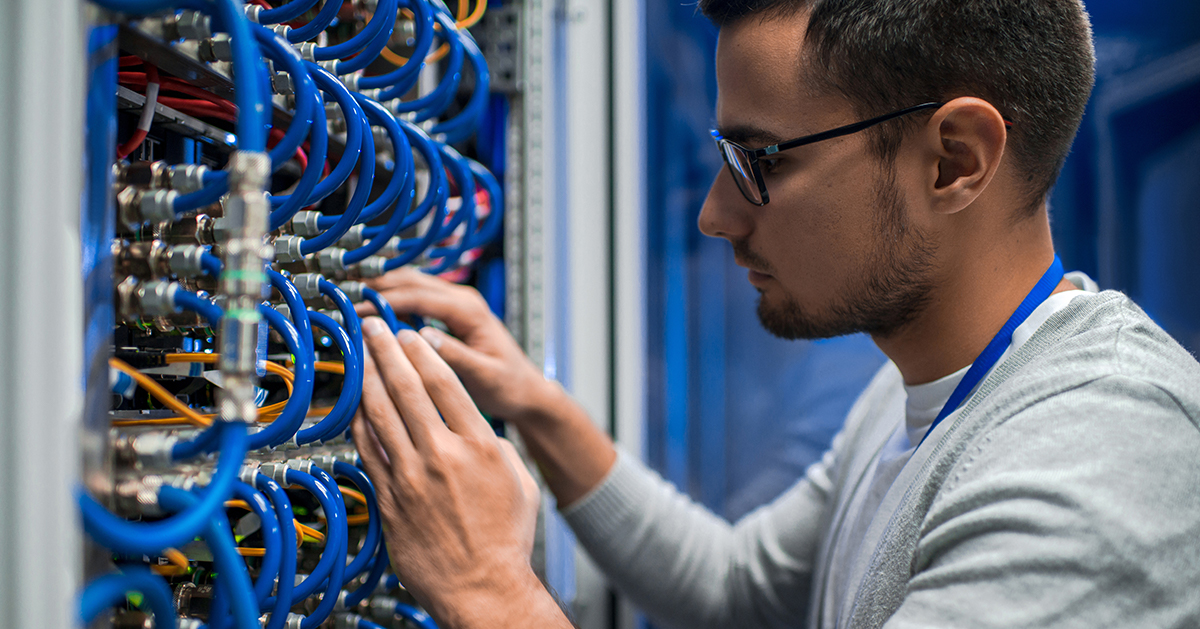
<point>966,140</point>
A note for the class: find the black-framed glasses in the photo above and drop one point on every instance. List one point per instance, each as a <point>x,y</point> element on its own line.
<point>743,162</point>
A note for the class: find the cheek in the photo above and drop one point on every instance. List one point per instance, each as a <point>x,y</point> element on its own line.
<point>823,237</point>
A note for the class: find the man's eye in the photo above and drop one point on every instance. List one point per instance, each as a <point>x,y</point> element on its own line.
<point>768,165</point>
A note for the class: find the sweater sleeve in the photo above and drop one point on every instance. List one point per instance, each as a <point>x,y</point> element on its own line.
<point>686,567</point>
<point>1080,511</point>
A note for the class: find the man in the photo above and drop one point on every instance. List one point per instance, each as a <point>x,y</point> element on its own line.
<point>1030,455</point>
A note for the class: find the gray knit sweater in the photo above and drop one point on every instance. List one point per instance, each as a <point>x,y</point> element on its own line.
<point>1064,493</point>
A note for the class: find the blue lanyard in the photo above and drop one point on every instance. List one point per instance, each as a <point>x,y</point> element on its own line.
<point>995,349</point>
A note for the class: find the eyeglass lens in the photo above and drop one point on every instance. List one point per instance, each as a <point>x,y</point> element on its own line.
<point>742,171</point>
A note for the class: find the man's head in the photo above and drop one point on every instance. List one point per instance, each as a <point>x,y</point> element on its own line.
<point>860,229</point>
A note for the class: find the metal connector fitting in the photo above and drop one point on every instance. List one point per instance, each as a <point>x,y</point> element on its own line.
<point>185,178</point>
<point>281,83</point>
<point>304,223</point>
<point>331,260</point>
<point>157,297</point>
<point>185,260</point>
<point>249,171</point>
<point>336,315</point>
<point>294,620</point>
<point>189,623</point>
<point>281,31</point>
<point>353,290</point>
<point>353,238</point>
<point>300,465</point>
<point>373,266</point>
<point>252,11</point>
<point>216,48</point>
<point>309,285</point>
<point>248,473</point>
<point>144,174</point>
<point>275,471</point>
<point>340,605</point>
<point>346,621</point>
<point>287,249</point>
<point>323,461</point>
<point>157,206</point>
<point>138,496</point>
<point>383,607</point>
<point>351,80</point>
<point>391,248</point>
<point>153,449</point>
<point>284,310</point>
<point>188,25</point>
<point>307,50</point>
<point>329,65</point>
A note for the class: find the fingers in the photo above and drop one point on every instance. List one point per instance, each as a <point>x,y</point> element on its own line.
<point>403,383</point>
<point>444,387</point>
<point>528,485</point>
<point>381,412</point>
<point>374,461</point>
<point>461,358</point>
<point>461,308</point>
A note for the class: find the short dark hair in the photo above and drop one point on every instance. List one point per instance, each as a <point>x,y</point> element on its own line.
<point>1031,59</point>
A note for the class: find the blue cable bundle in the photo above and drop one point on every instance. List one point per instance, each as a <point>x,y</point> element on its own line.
<point>360,219</point>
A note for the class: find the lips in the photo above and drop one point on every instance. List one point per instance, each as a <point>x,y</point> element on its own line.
<point>757,279</point>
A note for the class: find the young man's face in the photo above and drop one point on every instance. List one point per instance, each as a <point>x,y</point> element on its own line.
<point>836,250</point>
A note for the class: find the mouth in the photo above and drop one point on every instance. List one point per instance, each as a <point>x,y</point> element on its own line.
<point>758,279</point>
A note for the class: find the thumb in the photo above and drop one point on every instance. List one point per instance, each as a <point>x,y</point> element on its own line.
<point>461,358</point>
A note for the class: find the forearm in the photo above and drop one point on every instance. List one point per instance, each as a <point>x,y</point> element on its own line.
<point>573,455</point>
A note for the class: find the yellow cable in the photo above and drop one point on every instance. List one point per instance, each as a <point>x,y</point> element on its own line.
<point>177,558</point>
<point>160,393</point>
<point>357,519</point>
<point>301,529</point>
<point>353,493</point>
<point>309,531</point>
<point>475,16</point>
<point>252,552</point>
<point>330,367</point>
<point>462,10</point>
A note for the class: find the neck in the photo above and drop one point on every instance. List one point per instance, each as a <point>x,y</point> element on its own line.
<point>977,293</point>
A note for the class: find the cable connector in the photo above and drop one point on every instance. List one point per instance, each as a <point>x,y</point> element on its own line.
<point>340,605</point>
<point>353,290</point>
<point>300,465</point>
<point>188,25</point>
<point>185,260</point>
<point>329,65</point>
<point>294,620</point>
<point>351,80</point>
<point>219,47</point>
<point>307,51</point>
<point>373,266</point>
<point>252,11</point>
<point>323,461</point>
<point>281,83</point>
<point>156,298</point>
<point>189,623</point>
<point>287,249</point>
<point>146,206</point>
<point>353,238</point>
<point>153,449</point>
<point>383,607</point>
<point>185,178</point>
<point>304,223</point>
<point>249,472</point>
<point>336,315</point>
<point>328,261</point>
<point>275,471</point>
<point>346,621</point>
<point>309,285</point>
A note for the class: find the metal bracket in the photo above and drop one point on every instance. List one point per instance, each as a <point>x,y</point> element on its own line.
<point>499,37</point>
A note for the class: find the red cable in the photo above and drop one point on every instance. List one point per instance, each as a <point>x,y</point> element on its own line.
<point>139,134</point>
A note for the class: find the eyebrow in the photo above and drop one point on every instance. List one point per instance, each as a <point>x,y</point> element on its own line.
<point>749,135</point>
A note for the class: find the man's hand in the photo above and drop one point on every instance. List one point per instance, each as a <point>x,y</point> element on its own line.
<point>501,379</point>
<point>458,506</point>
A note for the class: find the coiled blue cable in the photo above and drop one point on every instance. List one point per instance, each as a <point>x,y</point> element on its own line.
<point>292,417</point>
<point>211,264</point>
<point>367,43</point>
<point>415,616</point>
<point>384,309</point>
<point>400,189</point>
<point>235,579</point>
<point>273,540</point>
<point>286,205</point>
<point>278,50</point>
<point>354,328</point>
<point>347,402</point>
<point>374,535</point>
<point>191,301</point>
<point>337,527</point>
<point>287,566</point>
<point>286,12</point>
<point>437,190</point>
<point>466,122</point>
<point>466,212</point>
<point>402,79</point>
<point>319,23</point>
<point>111,589</point>
<point>436,101</point>
<point>295,304</point>
<point>152,537</point>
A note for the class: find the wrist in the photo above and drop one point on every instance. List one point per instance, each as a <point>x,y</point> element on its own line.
<point>544,403</point>
<point>514,598</point>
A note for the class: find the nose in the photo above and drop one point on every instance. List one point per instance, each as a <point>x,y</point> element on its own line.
<point>725,213</point>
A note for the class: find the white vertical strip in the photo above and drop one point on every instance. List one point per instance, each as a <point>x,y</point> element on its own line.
<point>629,238</point>
<point>41,311</point>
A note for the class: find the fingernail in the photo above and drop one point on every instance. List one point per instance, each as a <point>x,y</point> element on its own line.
<point>372,326</point>
<point>433,336</point>
<point>406,336</point>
